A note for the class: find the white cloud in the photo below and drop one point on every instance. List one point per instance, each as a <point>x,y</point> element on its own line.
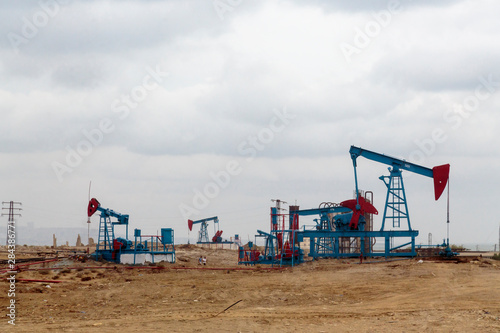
<point>226,78</point>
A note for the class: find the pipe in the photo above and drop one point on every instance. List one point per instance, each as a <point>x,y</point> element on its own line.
<point>26,263</point>
<point>39,262</point>
<point>160,268</point>
<point>17,267</point>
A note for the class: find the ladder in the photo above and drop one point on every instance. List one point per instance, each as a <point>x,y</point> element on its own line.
<point>106,233</point>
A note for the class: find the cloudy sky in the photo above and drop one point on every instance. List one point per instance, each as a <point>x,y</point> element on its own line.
<point>190,109</point>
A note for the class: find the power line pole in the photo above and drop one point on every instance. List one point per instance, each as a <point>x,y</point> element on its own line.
<point>12,212</point>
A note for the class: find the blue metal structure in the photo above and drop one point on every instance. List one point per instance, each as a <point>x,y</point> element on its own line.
<point>432,250</point>
<point>122,250</point>
<point>396,211</point>
<point>281,247</point>
<point>324,237</point>
<point>152,245</point>
<point>396,208</point>
<point>106,241</point>
<point>342,231</point>
<point>335,235</point>
<point>203,233</point>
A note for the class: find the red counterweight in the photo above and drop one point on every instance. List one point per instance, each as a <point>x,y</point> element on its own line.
<point>440,174</point>
<point>92,207</point>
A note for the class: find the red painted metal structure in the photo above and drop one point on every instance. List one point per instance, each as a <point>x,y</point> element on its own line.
<point>364,208</point>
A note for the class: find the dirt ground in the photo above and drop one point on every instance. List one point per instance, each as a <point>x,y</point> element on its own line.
<point>320,296</point>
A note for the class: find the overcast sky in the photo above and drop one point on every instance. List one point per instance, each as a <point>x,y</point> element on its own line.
<point>190,109</point>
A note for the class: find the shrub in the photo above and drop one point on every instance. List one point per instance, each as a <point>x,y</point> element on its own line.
<point>455,247</point>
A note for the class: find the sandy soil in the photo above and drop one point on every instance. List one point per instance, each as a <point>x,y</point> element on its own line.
<point>321,296</point>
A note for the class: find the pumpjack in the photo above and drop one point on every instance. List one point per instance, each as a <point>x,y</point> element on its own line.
<point>396,208</point>
<point>203,233</point>
<point>342,231</point>
<point>346,226</point>
<point>145,248</point>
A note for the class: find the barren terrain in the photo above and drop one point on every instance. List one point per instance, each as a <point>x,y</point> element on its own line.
<point>320,296</point>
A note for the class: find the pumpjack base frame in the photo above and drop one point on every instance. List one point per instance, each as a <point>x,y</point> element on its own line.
<point>129,256</point>
<point>223,242</point>
<point>334,251</point>
<point>272,262</point>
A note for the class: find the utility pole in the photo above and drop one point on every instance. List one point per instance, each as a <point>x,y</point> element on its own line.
<point>12,212</point>
<point>88,224</point>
